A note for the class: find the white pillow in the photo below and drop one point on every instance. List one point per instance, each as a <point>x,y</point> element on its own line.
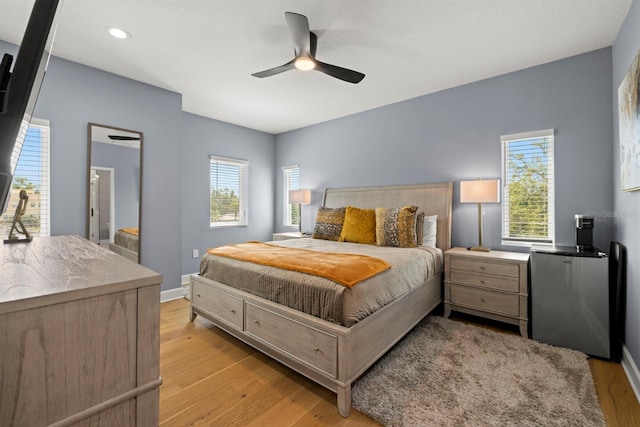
<point>429,231</point>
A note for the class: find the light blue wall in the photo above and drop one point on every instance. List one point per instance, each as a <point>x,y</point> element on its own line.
<point>627,205</point>
<point>454,135</point>
<point>200,138</point>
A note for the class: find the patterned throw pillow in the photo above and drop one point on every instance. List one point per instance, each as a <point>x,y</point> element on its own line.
<point>359,226</point>
<point>419,227</point>
<point>328,223</point>
<point>396,227</point>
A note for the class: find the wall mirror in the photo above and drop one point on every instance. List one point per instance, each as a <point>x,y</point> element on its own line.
<point>114,185</point>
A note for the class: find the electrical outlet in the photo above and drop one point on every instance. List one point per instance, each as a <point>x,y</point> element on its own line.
<point>195,253</point>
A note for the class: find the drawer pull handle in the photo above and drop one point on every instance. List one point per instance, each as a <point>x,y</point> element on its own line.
<point>482,299</point>
<point>482,281</point>
<point>316,349</point>
<point>233,311</point>
<point>256,322</point>
<point>198,295</point>
<point>482,267</point>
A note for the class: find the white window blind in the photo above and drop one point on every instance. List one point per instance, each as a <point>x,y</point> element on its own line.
<point>528,188</point>
<point>229,191</point>
<point>291,180</point>
<point>31,174</point>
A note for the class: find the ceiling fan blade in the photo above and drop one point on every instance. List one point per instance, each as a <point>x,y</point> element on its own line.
<point>313,42</point>
<point>124,138</point>
<point>339,72</point>
<point>276,70</point>
<point>299,29</point>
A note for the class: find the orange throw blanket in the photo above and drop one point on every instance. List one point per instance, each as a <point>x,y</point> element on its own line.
<point>345,269</point>
<point>132,230</point>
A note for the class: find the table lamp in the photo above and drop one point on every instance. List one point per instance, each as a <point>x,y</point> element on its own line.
<point>480,191</point>
<point>300,197</point>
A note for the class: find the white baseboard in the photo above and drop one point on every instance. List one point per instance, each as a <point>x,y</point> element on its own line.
<point>177,293</point>
<point>631,369</point>
<point>171,294</point>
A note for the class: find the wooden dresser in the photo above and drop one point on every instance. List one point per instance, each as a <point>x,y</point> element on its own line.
<point>79,336</point>
<point>487,284</point>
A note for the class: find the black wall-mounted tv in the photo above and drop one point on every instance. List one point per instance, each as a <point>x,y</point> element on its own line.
<point>19,88</point>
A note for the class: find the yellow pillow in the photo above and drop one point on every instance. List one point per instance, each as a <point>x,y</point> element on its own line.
<point>359,226</point>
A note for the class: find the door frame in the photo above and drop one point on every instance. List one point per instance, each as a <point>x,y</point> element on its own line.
<point>112,202</point>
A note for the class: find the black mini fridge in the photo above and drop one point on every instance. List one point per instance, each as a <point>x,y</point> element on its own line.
<point>577,298</point>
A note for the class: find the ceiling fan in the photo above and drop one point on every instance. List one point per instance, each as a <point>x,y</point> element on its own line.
<point>304,47</point>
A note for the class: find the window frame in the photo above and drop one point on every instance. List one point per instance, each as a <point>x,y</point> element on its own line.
<point>243,190</point>
<point>290,174</point>
<point>514,240</point>
<point>44,180</point>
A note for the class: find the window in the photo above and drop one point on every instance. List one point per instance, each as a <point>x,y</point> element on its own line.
<point>528,188</point>
<point>31,174</point>
<point>229,189</point>
<point>291,180</point>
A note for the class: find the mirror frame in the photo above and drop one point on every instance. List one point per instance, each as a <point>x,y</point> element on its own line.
<point>90,125</point>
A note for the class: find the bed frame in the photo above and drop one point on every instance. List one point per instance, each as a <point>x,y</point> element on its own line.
<point>127,253</point>
<point>332,355</point>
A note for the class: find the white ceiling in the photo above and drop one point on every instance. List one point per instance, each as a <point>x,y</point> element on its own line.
<point>207,49</point>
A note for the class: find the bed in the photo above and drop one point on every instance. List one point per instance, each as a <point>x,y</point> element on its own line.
<point>333,351</point>
<point>126,243</point>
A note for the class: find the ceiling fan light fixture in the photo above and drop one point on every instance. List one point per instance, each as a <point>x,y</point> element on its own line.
<point>305,64</point>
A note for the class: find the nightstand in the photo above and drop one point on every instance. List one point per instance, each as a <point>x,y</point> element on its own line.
<point>289,235</point>
<point>487,284</point>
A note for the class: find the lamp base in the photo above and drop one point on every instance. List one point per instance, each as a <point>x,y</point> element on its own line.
<point>479,248</point>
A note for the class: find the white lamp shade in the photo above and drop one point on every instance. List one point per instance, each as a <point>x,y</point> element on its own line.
<point>302,197</point>
<point>480,191</point>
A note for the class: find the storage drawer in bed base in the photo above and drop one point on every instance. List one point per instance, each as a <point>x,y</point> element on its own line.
<point>311,346</point>
<point>225,307</point>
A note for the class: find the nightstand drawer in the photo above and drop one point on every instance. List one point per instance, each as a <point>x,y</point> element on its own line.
<point>479,266</point>
<point>494,282</point>
<point>482,299</point>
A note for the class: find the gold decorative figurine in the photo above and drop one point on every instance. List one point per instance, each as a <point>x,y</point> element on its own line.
<point>17,224</point>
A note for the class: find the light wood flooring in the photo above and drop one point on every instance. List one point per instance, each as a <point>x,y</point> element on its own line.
<point>213,379</point>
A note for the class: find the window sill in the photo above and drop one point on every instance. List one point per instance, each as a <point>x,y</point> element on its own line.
<point>524,244</point>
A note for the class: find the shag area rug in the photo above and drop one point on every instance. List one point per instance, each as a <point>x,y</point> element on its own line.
<point>448,373</point>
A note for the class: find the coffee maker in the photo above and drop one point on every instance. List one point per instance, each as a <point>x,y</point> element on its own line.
<point>584,233</point>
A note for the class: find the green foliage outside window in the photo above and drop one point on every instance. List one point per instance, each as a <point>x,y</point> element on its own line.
<point>295,214</point>
<point>225,205</point>
<point>23,183</point>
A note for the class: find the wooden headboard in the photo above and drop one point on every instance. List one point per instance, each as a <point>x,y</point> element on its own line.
<point>432,199</point>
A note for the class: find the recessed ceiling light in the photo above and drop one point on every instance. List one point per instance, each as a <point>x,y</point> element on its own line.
<point>118,33</point>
